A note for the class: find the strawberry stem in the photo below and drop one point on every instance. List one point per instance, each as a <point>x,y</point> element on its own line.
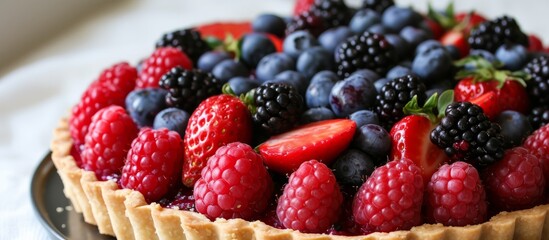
<point>434,107</point>
<point>483,70</point>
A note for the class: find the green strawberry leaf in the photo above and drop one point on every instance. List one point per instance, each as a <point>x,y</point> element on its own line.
<point>485,70</point>
<point>226,89</point>
<point>413,108</point>
<point>213,42</point>
<point>232,44</point>
<point>446,20</point>
<point>445,99</point>
<point>249,101</point>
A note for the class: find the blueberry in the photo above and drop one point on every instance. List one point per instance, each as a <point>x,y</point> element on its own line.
<point>353,167</point>
<point>314,60</point>
<point>144,104</point>
<point>395,18</point>
<point>398,71</point>
<point>318,91</point>
<point>208,60</point>
<point>255,46</point>
<point>373,139</point>
<point>297,42</point>
<point>367,73</point>
<point>378,28</point>
<point>428,45</point>
<point>173,119</point>
<point>241,85</point>
<point>453,51</point>
<point>432,64</point>
<point>381,82</point>
<point>228,69</point>
<point>513,56</point>
<point>363,19</point>
<point>269,23</point>
<point>414,36</point>
<point>273,64</point>
<point>333,37</point>
<point>352,94</point>
<point>293,78</point>
<point>402,47</point>
<point>316,114</point>
<point>515,127</point>
<point>363,117</point>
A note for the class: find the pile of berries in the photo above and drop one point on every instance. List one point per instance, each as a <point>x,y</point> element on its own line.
<point>339,120</point>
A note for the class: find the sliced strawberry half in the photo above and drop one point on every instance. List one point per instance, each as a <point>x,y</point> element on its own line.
<point>221,30</point>
<point>323,140</point>
<point>411,140</point>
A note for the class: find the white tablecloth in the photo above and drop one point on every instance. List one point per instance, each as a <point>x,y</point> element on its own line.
<point>37,92</point>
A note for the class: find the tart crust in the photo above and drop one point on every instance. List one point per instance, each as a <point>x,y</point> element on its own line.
<point>125,214</point>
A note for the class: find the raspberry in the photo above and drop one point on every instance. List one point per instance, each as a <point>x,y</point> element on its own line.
<point>455,196</point>
<point>120,76</point>
<point>515,182</point>
<point>183,200</point>
<point>160,62</point>
<point>311,200</point>
<point>538,144</point>
<point>234,184</point>
<point>107,142</point>
<point>390,199</point>
<point>96,97</point>
<point>154,162</point>
<point>110,88</point>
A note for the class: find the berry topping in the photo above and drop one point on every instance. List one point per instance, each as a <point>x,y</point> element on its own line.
<point>390,199</point>
<point>368,50</point>
<point>188,41</point>
<point>153,165</point>
<point>159,63</point>
<point>187,88</point>
<point>516,182</point>
<point>323,140</point>
<point>217,121</point>
<point>455,196</point>
<point>107,142</point>
<point>311,200</point>
<point>466,134</point>
<point>234,184</point>
<point>277,107</point>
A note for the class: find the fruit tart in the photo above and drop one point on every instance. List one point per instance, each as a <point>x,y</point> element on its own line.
<point>339,123</point>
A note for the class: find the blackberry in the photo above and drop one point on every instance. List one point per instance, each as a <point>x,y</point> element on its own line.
<point>490,35</point>
<point>188,41</point>
<point>466,134</point>
<point>366,51</point>
<point>538,85</point>
<point>539,116</point>
<point>395,95</point>
<point>278,107</point>
<point>377,5</point>
<point>307,21</point>
<point>334,12</point>
<point>187,88</point>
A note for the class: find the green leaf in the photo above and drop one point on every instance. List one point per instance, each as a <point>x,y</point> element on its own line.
<point>232,44</point>
<point>413,108</point>
<point>213,42</point>
<point>445,99</point>
<point>226,89</point>
<point>248,100</point>
<point>446,20</point>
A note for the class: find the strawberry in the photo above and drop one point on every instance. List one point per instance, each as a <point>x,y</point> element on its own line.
<point>411,136</point>
<point>509,87</point>
<point>302,6</point>
<point>470,20</point>
<point>323,140</point>
<point>535,43</point>
<point>489,104</point>
<point>217,121</point>
<point>457,39</point>
<point>222,30</point>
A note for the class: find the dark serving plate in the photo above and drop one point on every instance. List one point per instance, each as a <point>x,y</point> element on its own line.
<point>54,210</point>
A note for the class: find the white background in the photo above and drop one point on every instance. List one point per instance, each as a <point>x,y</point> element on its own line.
<point>39,88</point>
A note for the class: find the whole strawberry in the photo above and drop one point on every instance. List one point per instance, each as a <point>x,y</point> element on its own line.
<point>391,198</point>
<point>217,121</point>
<point>311,200</point>
<point>153,163</point>
<point>107,142</point>
<point>455,196</point>
<point>160,62</point>
<point>234,184</point>
<point>538,144</point>
<point>515,182</point>
<point>110,88</point>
